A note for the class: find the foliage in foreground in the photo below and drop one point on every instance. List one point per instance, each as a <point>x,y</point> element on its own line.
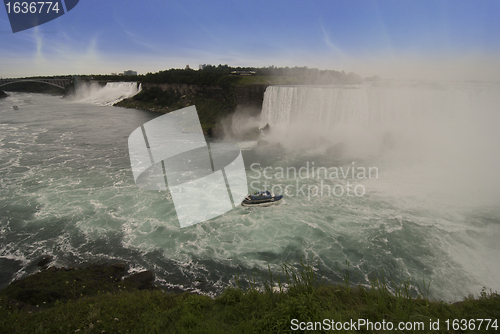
<point>269,309</point>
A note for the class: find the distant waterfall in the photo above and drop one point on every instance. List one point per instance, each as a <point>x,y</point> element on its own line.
<point>109,94</point>
<point>367,118</point>
<point>330,106</point>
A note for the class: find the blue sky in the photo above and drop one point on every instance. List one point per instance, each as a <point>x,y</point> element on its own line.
<point>393,38</point>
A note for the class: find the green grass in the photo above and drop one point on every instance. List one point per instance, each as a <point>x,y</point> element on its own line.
<point>268,305</point>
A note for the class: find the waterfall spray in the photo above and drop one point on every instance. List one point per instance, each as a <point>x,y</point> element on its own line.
<point>109,94</point>
<point>445,131</point>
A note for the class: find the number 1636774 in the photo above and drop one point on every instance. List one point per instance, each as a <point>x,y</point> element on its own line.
<point>472,324</point>
<point>32,7</point>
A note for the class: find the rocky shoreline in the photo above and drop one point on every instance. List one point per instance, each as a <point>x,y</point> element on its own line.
<point>131,103</point>
<point>53,285</point>
<point>213,103</point>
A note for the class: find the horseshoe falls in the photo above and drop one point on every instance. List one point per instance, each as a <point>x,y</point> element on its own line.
<point>433,211</point>
<point>398,179</point>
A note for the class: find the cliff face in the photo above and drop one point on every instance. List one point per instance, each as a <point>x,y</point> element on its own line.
<point>243,96</point>
<point>213,103</point>
<point>250,96</point>
<point>213,92</point>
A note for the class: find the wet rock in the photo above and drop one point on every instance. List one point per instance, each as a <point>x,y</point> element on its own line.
<point>118,270</point>
<point>120,266</point>
<point>44,261</point>
<point>266,129</point>
<point>143,279</point>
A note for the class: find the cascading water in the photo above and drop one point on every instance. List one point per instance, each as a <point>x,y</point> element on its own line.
<point>430,117</point>
<point>330,106</point>
<point>430,210</point>
<point>109,94</point>
<point>435,147</point>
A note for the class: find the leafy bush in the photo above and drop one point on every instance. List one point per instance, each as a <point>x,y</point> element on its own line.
<point>158,96</point>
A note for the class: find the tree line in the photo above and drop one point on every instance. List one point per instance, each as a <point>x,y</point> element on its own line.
<point>220,75</point>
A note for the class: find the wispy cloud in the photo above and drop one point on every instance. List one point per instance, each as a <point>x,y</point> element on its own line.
<point>139,40</point>
<point>53,54</point>
<point>38,39</point>
<point>328,42</point>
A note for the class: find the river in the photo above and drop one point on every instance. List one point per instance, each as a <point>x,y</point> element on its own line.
<point>406,211</point>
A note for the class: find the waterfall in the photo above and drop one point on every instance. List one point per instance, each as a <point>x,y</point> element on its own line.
<point>331,106</point>
<point>370,114</point>
<point>109,94</point>
<point>448,130</point>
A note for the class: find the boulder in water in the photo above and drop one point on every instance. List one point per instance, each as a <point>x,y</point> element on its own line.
<point>143,279</point>
<point>44,261</point>
<point>266,129</point>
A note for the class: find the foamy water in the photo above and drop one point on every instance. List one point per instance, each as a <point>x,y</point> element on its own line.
<point>107,95</point>
<point>68,191</point>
